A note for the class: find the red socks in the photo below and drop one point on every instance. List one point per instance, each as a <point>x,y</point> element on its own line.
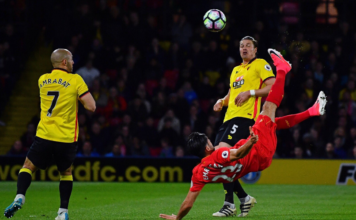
<point>277,91</point>
<point>289,121</point>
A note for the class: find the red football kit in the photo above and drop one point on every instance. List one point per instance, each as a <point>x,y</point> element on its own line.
<point>217,167</point>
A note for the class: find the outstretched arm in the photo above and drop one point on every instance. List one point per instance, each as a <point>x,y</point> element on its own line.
<point>185,207</point>
<point>241,152</point>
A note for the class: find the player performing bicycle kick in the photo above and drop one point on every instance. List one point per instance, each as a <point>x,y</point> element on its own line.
<point>253,154</point>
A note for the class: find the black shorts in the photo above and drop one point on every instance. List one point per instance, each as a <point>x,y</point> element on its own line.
<point>42,152</point>
<point>233,130</point>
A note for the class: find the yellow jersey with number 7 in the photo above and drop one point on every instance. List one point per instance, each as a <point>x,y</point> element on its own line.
<point>244,78</point>
<point>59,93</point>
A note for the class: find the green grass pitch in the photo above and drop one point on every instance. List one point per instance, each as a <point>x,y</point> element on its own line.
<point>148,200</point>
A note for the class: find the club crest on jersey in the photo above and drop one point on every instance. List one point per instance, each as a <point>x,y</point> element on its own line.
<point>238,82</point>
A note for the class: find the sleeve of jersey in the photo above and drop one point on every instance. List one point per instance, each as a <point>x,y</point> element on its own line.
<point>39,82</point>
<point>222,155</point>
<point>196,185</point>
<point>82,87</point>
<point>265,71</point>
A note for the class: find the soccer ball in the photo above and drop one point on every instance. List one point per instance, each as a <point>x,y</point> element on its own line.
<point>214,20</point>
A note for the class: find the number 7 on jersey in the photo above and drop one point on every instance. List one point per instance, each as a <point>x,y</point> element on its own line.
<point>55,95</point>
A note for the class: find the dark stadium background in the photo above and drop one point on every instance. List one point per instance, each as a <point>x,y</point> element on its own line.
<point>156,72</point>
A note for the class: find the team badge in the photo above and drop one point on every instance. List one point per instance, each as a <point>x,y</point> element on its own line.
<point>268,67</point>
<point>225,154</point>
<point>238,82</point>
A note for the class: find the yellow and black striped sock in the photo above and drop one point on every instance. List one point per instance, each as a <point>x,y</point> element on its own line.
<point>24,180</point>
<point>65,189</point>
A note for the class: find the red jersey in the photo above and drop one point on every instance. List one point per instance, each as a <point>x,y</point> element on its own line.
<point>217,167</point>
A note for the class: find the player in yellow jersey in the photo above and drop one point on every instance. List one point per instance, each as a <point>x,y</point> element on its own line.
<point>249,82</point>
<point>57,132</point>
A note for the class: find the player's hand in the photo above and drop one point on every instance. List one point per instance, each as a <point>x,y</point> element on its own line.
<point>254,138</point>
<point>173,216</point>
<point>242,97</point>
<point>218,105</point>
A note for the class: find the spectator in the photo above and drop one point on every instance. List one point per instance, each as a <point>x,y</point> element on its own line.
<point>179,152</point>
<point>167,150</point>
<point>137,110</point>
<point>141,92</point>
<point>159,105</point>
<point>155,54</point>
<point>215,58</point>
<point>175,57</point>
<point>126,135</point>
<point>181,30</point>
<point>120,142</point>
<point>351,138</point>
<point>339,151</point>
<point>179,102</point>
<point>99,94</point>
<point>17,149</point>
<point>116,104</point>
<point>349,88</point>
<point>87,151</point>
<point>162,87</point>
<point>175,121</point>
<point>318,74</point>
<point>354,152</point>
<point>300,45</point>
<point>189,93</point>
<point>98,138</point>
<point>205,90</point>
<point>149,133</point>
<point>168,132</point>
<point>195,119</point>
<point>115,151</point>
<point>82,137</point>
<point>89,73</point>
<point>298,152</point>
<point>330,151</point>
<point>138,149</point>
<point>187,130</point>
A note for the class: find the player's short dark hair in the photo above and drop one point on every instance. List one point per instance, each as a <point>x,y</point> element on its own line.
<point>254,41</point>
<point>196,144</point>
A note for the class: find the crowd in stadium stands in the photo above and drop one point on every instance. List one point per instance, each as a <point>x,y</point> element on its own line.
<point>155,80</point>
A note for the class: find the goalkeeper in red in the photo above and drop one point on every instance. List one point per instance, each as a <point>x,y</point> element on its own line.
<point>253,154</point>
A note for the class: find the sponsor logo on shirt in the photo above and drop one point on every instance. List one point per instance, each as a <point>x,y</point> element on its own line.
<point>238,82</point>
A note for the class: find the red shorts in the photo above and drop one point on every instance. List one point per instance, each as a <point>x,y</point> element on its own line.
<point>266,145</point>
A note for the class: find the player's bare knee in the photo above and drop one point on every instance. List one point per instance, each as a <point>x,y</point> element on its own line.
<point>29,165</point>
